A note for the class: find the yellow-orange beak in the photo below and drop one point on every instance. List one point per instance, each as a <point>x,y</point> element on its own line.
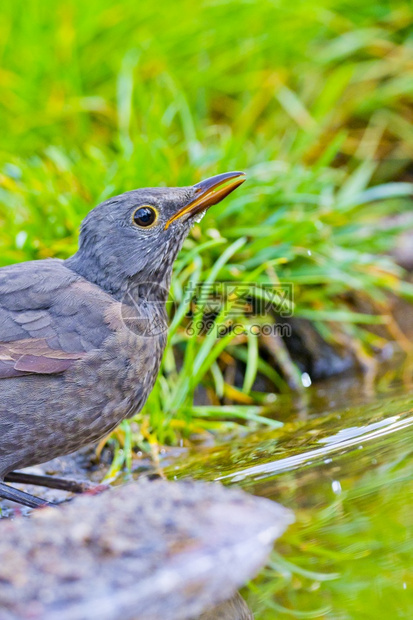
<point>208,193</point>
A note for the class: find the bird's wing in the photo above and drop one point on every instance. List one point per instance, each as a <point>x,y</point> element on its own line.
<point>33,356</point>
<point>50,317</point>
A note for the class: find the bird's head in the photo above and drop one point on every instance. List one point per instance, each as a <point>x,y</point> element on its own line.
<point>136,236</point>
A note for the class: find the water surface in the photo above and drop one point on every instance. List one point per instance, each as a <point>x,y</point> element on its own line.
<point>343,462</point>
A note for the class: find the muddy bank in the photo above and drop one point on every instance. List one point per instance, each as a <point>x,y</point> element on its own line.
<point>146,550</point>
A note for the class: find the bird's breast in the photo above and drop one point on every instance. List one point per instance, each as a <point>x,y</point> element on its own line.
<point>122,373</point>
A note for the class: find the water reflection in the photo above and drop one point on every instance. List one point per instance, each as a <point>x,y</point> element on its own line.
<point>348,476</point>
<point>343,440</point>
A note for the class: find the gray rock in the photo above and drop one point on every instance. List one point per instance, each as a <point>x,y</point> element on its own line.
<point>147,550</point>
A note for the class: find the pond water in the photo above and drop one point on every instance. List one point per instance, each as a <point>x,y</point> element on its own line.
<point>343,462</point>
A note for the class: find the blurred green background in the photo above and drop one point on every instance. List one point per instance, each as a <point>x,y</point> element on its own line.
<point>312,99</point>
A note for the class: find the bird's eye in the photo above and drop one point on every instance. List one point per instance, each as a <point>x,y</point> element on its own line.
<point>145,216</point>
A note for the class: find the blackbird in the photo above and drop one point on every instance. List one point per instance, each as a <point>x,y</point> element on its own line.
<point>81,340</point>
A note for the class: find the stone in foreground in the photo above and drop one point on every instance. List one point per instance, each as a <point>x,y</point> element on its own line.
<point>147,550</point>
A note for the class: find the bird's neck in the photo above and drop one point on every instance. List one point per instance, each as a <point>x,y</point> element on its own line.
<point>153,285</point>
